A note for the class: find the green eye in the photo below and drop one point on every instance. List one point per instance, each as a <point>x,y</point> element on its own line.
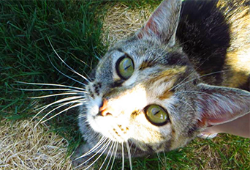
<point>125,67</point>
<point>156,115</point>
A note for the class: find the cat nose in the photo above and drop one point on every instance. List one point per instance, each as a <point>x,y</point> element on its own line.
<point>104,110</point>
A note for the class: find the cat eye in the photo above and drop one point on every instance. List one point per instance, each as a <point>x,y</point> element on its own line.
<point>125,67</point>
<point>156,115</point>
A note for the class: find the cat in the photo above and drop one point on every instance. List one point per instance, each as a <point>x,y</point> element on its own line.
<point>186,69</point>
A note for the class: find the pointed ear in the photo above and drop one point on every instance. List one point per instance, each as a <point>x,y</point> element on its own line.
<point>217,105</point>
<point>162,25</point>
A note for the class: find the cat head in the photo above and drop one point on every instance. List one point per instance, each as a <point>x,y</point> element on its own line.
<point>146,92</point>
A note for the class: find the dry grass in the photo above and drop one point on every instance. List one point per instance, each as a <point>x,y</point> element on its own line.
<point>24,146</point>
<point>121,21</point>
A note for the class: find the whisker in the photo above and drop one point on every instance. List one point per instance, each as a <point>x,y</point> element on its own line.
<point>122,157</point>
<point>67,64</point>
<point>79,104</point>
<point>64,104</point>
<point>107,145</point>
<point>197,69</point>
<point>107,155</point>
<point>183,81</point>
<point>129,156</point>
<point>58,101</point>
<point>49,84</point>
<point>65,74</point>
<point>47,90</point>
<point>187,104</point>
<point>52,95</point>
<point>111,155</point>
<point>101,141</point>
<point>200,92</point>
<point>87,76</point>
<point>114,155</point>
<point>104,146</point>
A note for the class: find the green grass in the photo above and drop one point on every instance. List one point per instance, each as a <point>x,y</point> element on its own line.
<point>75,29</point>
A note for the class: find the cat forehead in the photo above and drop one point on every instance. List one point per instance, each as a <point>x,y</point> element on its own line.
<point>146,50</point>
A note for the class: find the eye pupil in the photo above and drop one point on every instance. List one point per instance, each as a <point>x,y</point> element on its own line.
<point>155,111</point>
<point>127,64</point>
<point>125,67</point>
<point>156,115</point>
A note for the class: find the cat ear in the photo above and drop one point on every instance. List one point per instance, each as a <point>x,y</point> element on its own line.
<point>217,105</point>
<point>162,25</point>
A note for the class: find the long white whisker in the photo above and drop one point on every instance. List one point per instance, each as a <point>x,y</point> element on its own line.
<point>200,92</point>
<point>67,64</point>
<point>114,155</point>
<point>129,156</point>
<point>58,101</point>
<point>107,145</point>
<point>48,90</point>
<point>102,148</point>
<point>114,145</point>
<point>107,155</point>
<point>52,95</point>
<point>183,81</point>
<point>87,76</point>
<point>97,145</point>
<point>49,84</point>
<point>101,141</point>
<point>104,139</point>
<point>79,104</point>
<point>122,157</point>
<point>65,74</point>
<point>64,104</point>
<point>187,104</point>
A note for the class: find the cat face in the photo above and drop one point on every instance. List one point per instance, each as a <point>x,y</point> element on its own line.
<point>146,92</point>
<point>133,97</point>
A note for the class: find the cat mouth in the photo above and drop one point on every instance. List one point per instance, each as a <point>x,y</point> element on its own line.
<point>107,128</point>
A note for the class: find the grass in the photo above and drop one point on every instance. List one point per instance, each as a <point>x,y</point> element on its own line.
<point>26,27</point>
<point>75,31</point>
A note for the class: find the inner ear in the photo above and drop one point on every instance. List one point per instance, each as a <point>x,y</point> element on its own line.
<point>162,24</point>
<point>218,105</point>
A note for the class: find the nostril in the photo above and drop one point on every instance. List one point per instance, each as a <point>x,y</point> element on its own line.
<point>104,109</point>
<point>108,114</point>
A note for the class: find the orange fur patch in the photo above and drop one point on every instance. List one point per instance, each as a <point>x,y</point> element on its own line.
<point>238,62</point>
<point>145,64</point>
<point>168,74</point>
<point>238,56</point>
<point>167,94</point>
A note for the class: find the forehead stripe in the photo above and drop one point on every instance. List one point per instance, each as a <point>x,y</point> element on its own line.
<point>168,74</point>
<point>165,95</point>
<point>146,64</point>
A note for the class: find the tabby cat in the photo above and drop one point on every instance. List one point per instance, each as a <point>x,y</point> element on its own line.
<point>186,69</point>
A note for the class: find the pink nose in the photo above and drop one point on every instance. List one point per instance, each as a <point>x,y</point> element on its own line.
<point>104,110</point>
